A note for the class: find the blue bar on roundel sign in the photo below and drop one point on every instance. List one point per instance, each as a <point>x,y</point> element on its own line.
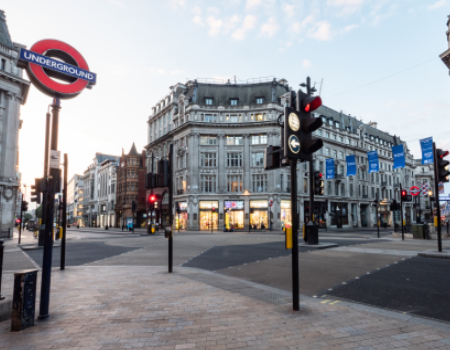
<point>427,150</point>
<point>374,165</point>
<point>329,168</point>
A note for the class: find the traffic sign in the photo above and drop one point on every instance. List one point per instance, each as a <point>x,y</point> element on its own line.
<point>51,58</point>
<point>414,190</point>
<point>294,144</point>
<point>270,203</point>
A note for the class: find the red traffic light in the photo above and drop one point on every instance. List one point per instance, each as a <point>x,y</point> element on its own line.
<point>442,155</point>
<point>403,193</point>
<point>320,175</point>
<point>151,198</point>
<point>310,104</point>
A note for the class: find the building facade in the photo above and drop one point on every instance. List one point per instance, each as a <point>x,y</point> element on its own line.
<point>92,186</point>
<point>131,188</point>
<point>75,198</point>
<point>107,178</point>
<point>445,56</point>
<point>220,132</point>
<point>13,93</point>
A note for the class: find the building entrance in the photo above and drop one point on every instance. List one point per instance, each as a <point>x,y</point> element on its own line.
<point>209,219</point>
<point>234,215</point>
<point>259,219</point>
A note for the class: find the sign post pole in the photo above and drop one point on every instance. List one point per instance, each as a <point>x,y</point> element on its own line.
<point>171,165</point>
<point>401,211</point>
<point>64,218</point>
<point>436,196</point>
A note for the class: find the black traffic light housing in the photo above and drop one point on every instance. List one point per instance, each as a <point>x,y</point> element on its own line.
<point>319,184</point>
<point>405,196</point>
<point>39,187</point>
<point>133,206</point>
<point>272,157</point>
<point>24,206</point>
<point>442,166</point>
<point>298,128</point>
<point>164,173</point>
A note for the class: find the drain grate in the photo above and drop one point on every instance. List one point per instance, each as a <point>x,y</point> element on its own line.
<point>241,288</point>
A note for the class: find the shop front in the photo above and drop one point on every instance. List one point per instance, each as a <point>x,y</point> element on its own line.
<point>259,215</point>
<point>339,214</point>
<point>385,215</point>
<point>320,208</point>
<point>181,216</point>
<point>285,213</point>
<point>209,218</point>
<point>234,215</point>
<point>364,208</point>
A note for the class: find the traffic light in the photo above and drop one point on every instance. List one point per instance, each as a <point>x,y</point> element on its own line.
<point>442,166</point>
<point>272,157</point>
<point>151,181</point>
<point>133,206</point>
<point>298,126</point>
<point>394,206</point>
<point>164,173</point>
<point>406,197</point>
<point>152,199</point>
<point>24,206</point>
<point>319,183</point>
<point>36,190</point>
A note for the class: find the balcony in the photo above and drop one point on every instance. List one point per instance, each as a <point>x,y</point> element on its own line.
<point>339,177</point>
<point>181,192</point>
<point>397,184</point>
<point>384,183</point>
<point>365,196</point>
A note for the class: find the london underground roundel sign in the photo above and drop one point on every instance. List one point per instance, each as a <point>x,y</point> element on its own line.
<point>51,59</point>
<point>414,190</point>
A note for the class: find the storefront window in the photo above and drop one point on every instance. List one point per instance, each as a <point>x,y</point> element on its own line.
<point>259,219</point>
<point>234,215</point>
<point>285,215</point>
<point>181,216</point>
<point>209,219</point>
<point>339,214</point>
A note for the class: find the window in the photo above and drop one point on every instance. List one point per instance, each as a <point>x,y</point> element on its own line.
<point>350,190</point>
<point>234,183</point>
<point>305,185</point>
<point>234,119</point>
<point>208,118</point>
<point>208,183</point>
<point>259,182</point>
<point>321,168</point>
<point>234,140</point>
<point>327,152</point>
<point>334,137</point>
<point>258,159</point>
<point>259,100</point>
<point>330,121</point>
<point>341,169</point>
<point>258,117</point>
<point>319,132</point>
<point>208,140</point>
<point>208,101</point>
<point>342,189</point>
<point>234,101</point>
<point>329,187</point>
<point>327,134</point>
<point>336,189</point>
<point>208,159</point>
<point>259,139</point>
<point>3,64</point>
<point>373,192</point>
<point>341,155</point>
<point>341,139</point>
<point>334,154</point>
<point>234,159</point>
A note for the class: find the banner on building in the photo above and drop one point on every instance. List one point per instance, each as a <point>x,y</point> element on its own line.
<point>374,165</point>
<point>329,168</point>
<point>351,165</point>
<point>427,150</point>
<point>399,156</point>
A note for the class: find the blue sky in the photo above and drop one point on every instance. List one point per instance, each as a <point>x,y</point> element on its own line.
<point>379,60</point>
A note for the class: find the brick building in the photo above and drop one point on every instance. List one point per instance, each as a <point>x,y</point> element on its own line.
<point>131,187</point>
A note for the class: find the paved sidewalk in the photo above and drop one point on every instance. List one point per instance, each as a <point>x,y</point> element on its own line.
<point>145,307</point>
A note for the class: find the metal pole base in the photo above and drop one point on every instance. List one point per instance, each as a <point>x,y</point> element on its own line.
<point>43,317</point>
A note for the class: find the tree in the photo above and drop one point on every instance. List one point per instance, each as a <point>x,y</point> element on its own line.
<point>27,217</point>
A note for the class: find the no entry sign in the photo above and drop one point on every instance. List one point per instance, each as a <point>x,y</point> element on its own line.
<point>51,58</point>
<point>414,190</point>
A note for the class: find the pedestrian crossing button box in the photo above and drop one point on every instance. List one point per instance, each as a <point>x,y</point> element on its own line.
<point>24,300</point>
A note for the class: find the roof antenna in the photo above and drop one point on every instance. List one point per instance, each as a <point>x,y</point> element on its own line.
<point>235,79</point>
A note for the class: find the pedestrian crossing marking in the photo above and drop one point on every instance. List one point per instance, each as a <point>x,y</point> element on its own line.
<point>325,301</point>
<point>334,302</point>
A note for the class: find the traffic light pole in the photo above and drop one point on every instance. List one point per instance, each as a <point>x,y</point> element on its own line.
<point>21,218</point>
<point>171,206</point>
<point>64,218</point>
<point>378,221</point>
<point>295,268</point>
<point>48,236</point>
<point>41,237</point>
<point>401,211</point>
<point>436,196</point>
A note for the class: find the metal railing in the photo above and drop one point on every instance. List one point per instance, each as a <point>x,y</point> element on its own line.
<point>384,183</point>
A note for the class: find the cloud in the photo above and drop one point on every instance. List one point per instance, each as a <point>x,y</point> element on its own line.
<point>213,10</point>
<point>197,10</point>
<point>177,3</point>
<point>437,5</point>
<point>177,72</point>
<point>214,25</point>
<point>306,63</point>
<point>197,20</point>
<point>346,7</point>
<point>157,71</point>
<point>321,31</point>
<point>349,28</point>
<point>248,24</point>
<point>270,27</point>
<point>288,9</point>
<point>250,4</point>
<point>298,27</point>
<point>231,23</point>
<point>117,2</point>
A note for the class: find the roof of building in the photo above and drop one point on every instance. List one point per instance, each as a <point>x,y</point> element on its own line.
<point>133,151</point>
<point>102,157</point>
<point>5,38</point>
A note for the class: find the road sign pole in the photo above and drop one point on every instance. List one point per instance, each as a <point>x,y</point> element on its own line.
<point>64,218</point>
<point>378,219</point>
<point>295,268</point>
<point>436,196</point>
<point>401,211</point>
<point>48,238</point>
<point>171,165</point>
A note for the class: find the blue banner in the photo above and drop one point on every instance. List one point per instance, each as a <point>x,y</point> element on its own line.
<point>399,156</point>
<point>329,168</point>
<point>351,165</point>
<point>427,150</point>
<point>374,165</point>
<point>57,66</point>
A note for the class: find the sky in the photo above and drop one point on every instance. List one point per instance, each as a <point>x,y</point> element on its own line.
<point>377,60</point>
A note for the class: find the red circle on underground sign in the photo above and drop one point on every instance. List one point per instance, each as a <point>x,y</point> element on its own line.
<point>38,71</point>
<point>414,190</point>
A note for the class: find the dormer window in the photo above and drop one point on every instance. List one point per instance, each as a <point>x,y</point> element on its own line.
<point>259,100</point>
<point>208,101</point>
<point>234,101</point>
<point>3,64</point>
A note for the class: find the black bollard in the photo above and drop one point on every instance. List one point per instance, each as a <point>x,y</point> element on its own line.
<point>1,267</point>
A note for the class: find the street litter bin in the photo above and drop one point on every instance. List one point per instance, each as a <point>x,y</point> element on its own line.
<point>24,300</point>
<point>418,231</point>
<point>312,234</point>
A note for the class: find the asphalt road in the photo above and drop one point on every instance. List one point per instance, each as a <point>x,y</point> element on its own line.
<point>418,286</point>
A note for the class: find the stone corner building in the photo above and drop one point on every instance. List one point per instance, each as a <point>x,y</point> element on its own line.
<point>131,187</point>
<point>445,56</point>
<point>220,132</point>
<point>13,93</point>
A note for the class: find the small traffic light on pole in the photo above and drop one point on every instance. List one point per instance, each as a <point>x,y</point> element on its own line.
<point>37,189</point>
<point>24,206</point>
<point>318,184</point>
<point>442,166</point>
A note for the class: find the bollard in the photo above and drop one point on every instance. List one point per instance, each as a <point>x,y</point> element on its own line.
<point>1,267</point>
<point>24,300</point>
